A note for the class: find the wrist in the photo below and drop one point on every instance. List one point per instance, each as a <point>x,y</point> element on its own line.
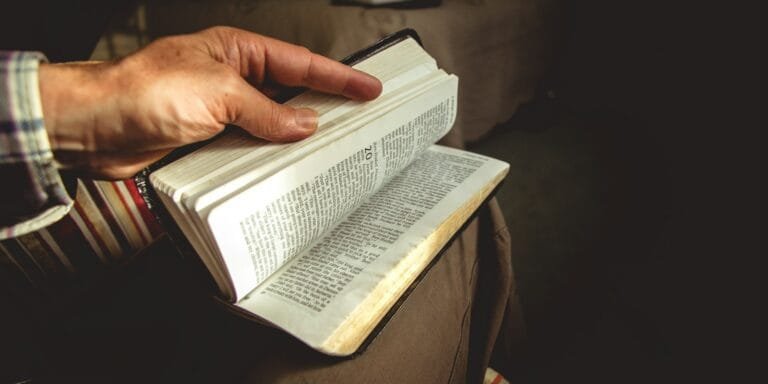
<point>74,100</point>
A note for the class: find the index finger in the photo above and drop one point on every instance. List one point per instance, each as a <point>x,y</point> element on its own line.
<point>296,66</point>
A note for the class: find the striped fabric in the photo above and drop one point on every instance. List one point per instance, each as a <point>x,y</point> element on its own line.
<point>108,223</point>
<point>34,195</point>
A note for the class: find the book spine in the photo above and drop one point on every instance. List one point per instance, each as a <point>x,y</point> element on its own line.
<point>161,215</point>
<point>108,224</point>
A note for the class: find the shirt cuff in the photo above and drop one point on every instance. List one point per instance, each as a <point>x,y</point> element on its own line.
<point>34,195</point>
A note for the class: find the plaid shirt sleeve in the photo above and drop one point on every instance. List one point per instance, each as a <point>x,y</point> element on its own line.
<point>32,194</point>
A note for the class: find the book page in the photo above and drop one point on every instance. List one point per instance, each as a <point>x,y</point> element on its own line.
<point>262,228</point>
<point>329,280</point>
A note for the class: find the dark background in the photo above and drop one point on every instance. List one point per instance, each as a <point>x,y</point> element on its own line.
<point>627,200</point>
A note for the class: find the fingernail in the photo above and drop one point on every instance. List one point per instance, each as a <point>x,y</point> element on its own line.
<point>306,119</point>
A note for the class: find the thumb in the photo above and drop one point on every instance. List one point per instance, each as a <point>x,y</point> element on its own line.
<point>264,118</point>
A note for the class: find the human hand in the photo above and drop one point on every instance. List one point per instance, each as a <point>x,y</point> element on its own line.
<point>111,119</point>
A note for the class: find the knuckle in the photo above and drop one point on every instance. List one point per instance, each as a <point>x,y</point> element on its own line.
<point>308,68</point>
<point>230,87</point>
<point>219,30</point>
<point>168,42</point>
<point>212,30</point>
<point>305,51</point>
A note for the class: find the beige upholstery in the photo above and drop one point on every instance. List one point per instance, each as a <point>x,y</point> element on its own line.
<point>498,48</point>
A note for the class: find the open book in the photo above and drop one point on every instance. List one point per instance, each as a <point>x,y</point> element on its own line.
<point>322,237</point>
